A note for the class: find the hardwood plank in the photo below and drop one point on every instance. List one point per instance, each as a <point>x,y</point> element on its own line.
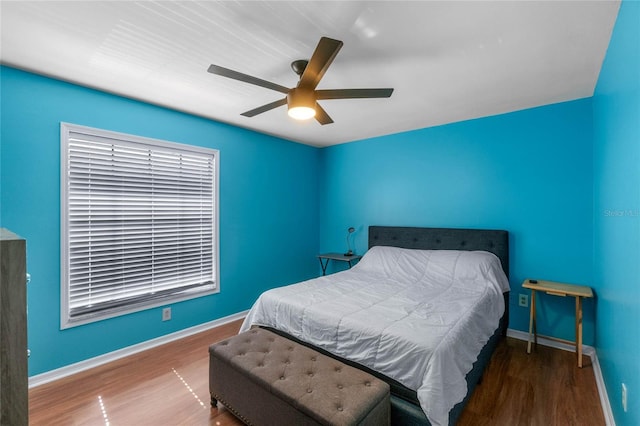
<point>169,385</point>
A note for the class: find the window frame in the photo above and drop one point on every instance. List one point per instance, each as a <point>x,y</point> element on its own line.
<point>66,129</point>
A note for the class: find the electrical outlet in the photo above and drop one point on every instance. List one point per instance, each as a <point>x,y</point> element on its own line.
<point>166,314</point>
<point>523,300</point>
<point>624,397</point>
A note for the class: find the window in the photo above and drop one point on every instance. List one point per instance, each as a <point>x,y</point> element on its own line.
<point>139,223</point>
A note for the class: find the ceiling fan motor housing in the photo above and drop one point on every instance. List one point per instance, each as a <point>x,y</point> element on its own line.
<point>301,96</point>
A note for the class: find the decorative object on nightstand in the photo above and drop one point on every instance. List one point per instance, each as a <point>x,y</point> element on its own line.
<point>340,257</point>
<point>349,232</point>
<point>557,289</point>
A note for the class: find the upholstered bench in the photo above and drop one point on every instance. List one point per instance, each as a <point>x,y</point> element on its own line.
<point>266,379</point>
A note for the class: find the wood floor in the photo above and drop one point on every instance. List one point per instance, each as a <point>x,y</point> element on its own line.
<point>168,385</point>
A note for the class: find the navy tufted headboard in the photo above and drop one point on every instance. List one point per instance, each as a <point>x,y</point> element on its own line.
<point>496,242</point>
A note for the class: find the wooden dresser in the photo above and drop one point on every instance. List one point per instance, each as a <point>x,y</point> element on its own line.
<point>13,331</point>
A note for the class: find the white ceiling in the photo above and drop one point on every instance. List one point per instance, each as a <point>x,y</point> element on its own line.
<point>448,61</point>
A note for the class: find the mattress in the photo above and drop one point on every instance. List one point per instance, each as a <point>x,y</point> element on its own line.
<point>420,317</point>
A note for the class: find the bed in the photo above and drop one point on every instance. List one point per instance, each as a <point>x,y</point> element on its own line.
<point>376,315</point>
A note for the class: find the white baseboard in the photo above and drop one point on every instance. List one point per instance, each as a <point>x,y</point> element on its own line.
<point>68,370</point>
<point>586,350</point>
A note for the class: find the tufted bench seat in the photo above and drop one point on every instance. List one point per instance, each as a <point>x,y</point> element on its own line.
<point>266,379</point>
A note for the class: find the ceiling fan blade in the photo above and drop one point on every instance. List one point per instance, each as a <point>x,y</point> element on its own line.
<point>322,116</point>
<point>226,72</point>
<point>353,93</point>
<point>265,108</point>
<point>322,57</point>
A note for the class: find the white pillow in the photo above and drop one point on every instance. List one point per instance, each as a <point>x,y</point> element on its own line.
<point>444,266</point>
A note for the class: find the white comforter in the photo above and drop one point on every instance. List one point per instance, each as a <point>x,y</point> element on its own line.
<point>420,317</point>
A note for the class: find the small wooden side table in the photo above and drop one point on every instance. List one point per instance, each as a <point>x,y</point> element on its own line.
<point>340,257</point>
<point>557,289</point>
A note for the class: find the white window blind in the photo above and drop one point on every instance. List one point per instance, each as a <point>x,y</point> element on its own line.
<point>139,223</point>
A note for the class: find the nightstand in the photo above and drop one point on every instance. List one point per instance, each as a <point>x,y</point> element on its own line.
<point>557,289</point>
<point>338,257</point>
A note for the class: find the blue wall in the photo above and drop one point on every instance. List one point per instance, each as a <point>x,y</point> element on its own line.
<point>617,214</point>
<point>268,187</point>
<point>529,172</point>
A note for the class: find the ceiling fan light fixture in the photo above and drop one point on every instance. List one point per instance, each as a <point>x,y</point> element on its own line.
<point>301,104</point>
<point>302,112</point>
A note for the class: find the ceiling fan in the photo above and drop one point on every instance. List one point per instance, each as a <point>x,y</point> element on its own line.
<point>302,99</point>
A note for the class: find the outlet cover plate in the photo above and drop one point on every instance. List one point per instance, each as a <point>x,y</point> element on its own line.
<point>523,300</point>
<point>166,314</point>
